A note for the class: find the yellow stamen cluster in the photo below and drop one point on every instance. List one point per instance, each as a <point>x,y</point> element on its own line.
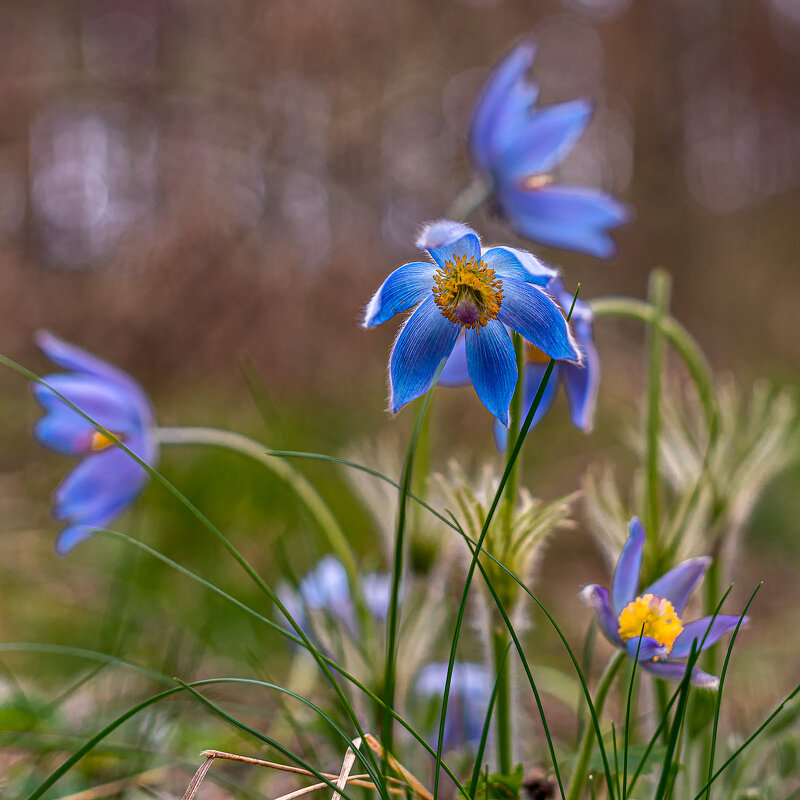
<point>468,292</point>
<point>532,182</point>
<point>99,441</point>
<point>658,617</point>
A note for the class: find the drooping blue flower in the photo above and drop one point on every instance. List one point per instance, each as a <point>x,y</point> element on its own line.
<point>107,479</point>
<point>654,615</point>
<point>516,146</point>
<point>470,692</point>
<point>581,381</point>
<point>326,587</point>
<point>481,292</point>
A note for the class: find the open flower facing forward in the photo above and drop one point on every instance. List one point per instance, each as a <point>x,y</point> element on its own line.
<point>581,381</point>
<point>107,479</point>
<point>654,615</point>
<point>480,292</point>
<point>470,692</point>
<point>516,146</point>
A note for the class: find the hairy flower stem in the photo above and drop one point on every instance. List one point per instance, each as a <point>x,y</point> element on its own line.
<point>659,295</point>
<point>469,199</point>
<point>499,637</point>
<point>295,479</point>
<point>680,339</point>
<point>711,592</point>
<point>587,741</point>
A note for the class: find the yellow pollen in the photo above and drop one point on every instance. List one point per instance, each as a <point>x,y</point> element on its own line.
<point>531,182</point>
<point>658,617</point>
<point>467,292</point>
<point>100,441</point>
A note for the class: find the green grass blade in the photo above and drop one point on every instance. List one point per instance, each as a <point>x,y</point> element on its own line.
<point>722,676</point>
<point>392,621</point>
<point>476,772</point>
<point>624,792</point>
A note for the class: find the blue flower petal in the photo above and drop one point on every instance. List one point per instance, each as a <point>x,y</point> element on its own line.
<point>508,262</point>
<point>492,367</point>
<point>403,289</point>
<point>626,576</point>
<point>109,404</point>
<point>455,371</point>
<point>68,434</point>
<point>569,217</point>
<point>326,587</point>
<point>99,488</point>
<point>426,339</point>
<point>648,650</point>
<point>69,357</point>
<point>675,671</point>
<point>678,584</point>
<point>597,597</point>
<point>544,139</point>
<point>446,239</point>
<point>505,95</point>
<point>71,536</point>
<point>377,590</point>
<point>582,385</point>
<point>712,631</point>
<point>527,309</point>
<point>470,691</point>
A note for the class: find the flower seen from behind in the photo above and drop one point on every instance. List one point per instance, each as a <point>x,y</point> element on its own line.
<point>326,588</point>
<point>470,692</point>
<point>480,291</point>
<point>580,381</point>
<point>655,614</point>
<point>107,479</point>
<point>517,145</point>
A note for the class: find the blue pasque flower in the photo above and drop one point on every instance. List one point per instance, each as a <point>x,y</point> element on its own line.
<point>470,692</point>
<point>655,613</point>
<point>581,381</point>
<point>516,146</point>
<point>479,292</point>
<point>107,479</point>
<point>326,587</point>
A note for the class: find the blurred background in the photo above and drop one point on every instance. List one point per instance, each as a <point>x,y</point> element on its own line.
<point>207,194</point>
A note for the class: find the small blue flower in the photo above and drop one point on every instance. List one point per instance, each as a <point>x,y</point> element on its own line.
<point>655,614</point>
<point>479,291</point>
<point>107,480</point>
<point>581,381</point>
<point>470,692</point>
<point>326,587</point>
<point>516,146</point>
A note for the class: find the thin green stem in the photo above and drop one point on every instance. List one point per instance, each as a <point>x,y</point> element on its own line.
<point>680,339</point>
<point>500,644</point>
<point>390,669</point>
<point>500,641</point>
<point>711,593</point>
<point>469,199</point>
<point>514,453</point>
<point>585,748</point>
<point>659,292</point>
<point>713,742</point>
<point>662,701</point>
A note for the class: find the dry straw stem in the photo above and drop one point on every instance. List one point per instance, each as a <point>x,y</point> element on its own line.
<point>342,779</point>
<point>148,778</point>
